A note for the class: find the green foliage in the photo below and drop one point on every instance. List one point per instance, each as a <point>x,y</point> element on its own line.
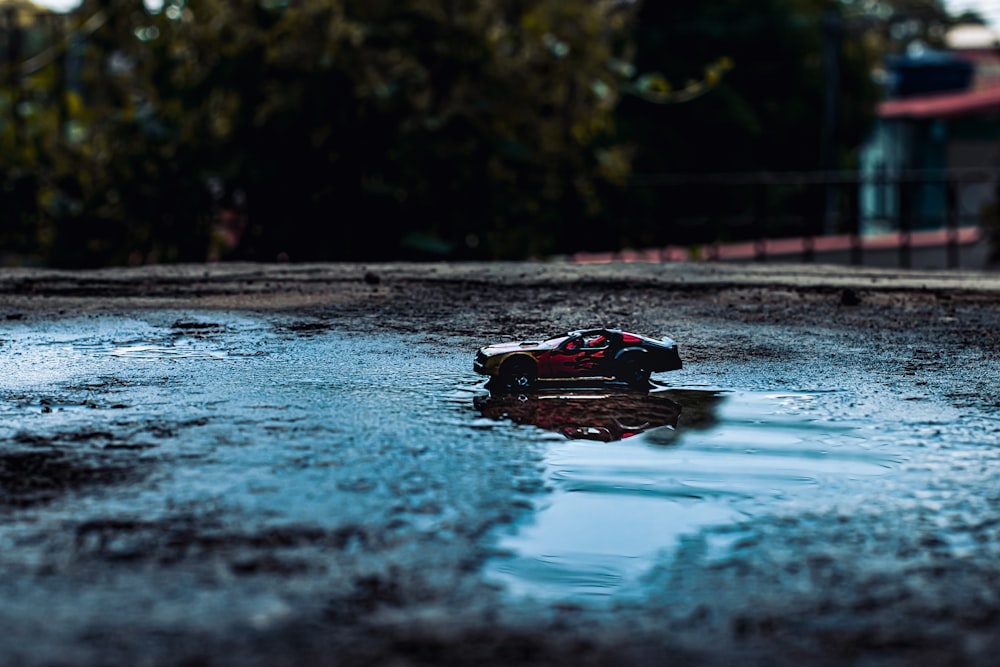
<point>889,26</point>
<point>377,129</point>
<point>766,114</point>
<point>337,129</point>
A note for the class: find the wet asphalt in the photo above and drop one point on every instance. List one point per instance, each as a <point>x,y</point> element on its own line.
<point>316,476</point>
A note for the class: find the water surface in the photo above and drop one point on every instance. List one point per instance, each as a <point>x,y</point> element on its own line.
<point>618,507</point>
<point>212,470</point>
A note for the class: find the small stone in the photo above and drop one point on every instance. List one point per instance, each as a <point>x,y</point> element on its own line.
<point>849,297</point>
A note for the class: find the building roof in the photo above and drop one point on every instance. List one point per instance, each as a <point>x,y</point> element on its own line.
<point>943,105</point>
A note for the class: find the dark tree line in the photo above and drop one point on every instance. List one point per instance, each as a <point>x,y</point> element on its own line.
<point>379,129</point>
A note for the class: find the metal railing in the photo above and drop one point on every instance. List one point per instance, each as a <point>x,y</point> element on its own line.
<point>753,207</point>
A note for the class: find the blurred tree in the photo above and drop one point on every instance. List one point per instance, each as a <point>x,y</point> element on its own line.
<point>889,26</point>
<point>767,114</point>
<point>168,130</point>
<point>342,128</point>
<point>90,184</point>
<point>22,118</point>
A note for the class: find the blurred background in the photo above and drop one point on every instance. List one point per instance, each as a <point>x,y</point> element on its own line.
<point>150,131</point>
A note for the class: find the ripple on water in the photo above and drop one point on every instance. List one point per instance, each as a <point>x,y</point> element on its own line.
<point>616,506</point>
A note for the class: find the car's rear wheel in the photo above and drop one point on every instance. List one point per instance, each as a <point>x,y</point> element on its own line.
<point>518,373</point>
<point>629,368</point>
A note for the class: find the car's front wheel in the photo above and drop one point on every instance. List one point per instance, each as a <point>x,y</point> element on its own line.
<point>518,373</point>
<point>629,368</point>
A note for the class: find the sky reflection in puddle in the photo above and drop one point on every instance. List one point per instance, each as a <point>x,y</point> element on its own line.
<point>148,351</point>
<point>617,503</point>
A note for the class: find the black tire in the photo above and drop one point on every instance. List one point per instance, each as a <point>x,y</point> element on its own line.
<point>629,369</point>
<point>518,373</point>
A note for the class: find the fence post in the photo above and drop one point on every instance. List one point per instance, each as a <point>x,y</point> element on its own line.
<point>951,193</point>
<point>760,222</point>
<point>13,78</point>
<point>57,31</point>
<point>852,204</point>
<point>906,191</point>
<point>833,37</point>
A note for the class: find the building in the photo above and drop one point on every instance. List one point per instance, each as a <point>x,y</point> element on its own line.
<point>934,157</point>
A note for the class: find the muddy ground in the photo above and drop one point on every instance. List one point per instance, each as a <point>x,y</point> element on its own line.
<point>907,572</point>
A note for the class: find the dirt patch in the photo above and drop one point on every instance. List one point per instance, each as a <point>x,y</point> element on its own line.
<point>29,478</point>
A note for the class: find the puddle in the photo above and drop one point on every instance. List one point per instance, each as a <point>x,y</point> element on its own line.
<point>150,487</point>
<point>690,458</point>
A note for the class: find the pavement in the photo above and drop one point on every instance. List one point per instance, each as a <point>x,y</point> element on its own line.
<point>898,568</point>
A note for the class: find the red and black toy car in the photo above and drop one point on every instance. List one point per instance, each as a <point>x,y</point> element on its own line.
<point>588,354</point>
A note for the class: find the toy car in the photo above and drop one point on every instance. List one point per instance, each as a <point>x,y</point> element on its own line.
<point>586,354</point>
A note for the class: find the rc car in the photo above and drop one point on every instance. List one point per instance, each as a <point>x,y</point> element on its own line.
<point>608,354</point>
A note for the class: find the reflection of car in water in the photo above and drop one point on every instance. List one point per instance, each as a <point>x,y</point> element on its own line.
<point>605,415</point>
<point>591,353</point>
